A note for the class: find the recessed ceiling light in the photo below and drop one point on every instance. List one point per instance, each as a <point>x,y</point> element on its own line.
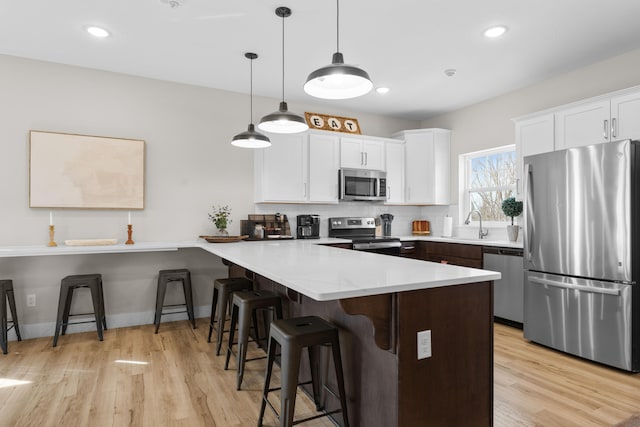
<point>496,31</point>
<point>450,72</point>
<point>382,90</point>
<point>98,32</point>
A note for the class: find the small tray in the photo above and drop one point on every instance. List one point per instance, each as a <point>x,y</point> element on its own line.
<point>223,239</point>
<point>90,242</point>
<point>420,233</point>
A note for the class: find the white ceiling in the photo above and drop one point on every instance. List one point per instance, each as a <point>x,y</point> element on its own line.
<point>405,44</point>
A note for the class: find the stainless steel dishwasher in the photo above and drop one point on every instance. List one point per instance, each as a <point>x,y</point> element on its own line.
<point>508,292</point>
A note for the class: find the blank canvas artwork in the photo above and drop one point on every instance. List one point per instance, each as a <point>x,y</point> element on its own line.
<point>81,171</point>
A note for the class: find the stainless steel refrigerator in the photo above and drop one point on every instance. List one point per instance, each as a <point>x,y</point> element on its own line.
<point>582,252</point>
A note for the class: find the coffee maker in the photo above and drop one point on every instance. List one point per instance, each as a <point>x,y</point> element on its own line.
<point>308,226</point>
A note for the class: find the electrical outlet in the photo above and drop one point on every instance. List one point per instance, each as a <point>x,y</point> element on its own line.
<point>424,344</point>
<point>31,300</point>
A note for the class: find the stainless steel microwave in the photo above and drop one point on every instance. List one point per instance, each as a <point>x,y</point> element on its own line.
<point>362,184</point>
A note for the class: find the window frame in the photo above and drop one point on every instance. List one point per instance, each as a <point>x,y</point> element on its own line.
<point>464,172</point>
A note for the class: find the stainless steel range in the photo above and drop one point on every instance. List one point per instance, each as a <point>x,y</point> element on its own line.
<point>362,233</point>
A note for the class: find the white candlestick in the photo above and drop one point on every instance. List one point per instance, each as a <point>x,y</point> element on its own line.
<point>129,218</point>
<point>50,218</point>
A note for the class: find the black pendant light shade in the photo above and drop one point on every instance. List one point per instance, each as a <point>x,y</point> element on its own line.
<point>283,120</point>
<point>338,80</point>
<point>251,138</point>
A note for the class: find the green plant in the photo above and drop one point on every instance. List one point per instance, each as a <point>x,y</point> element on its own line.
<point>221,216</point>
<point>511,208</point>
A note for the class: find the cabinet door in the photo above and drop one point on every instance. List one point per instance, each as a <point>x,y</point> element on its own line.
<point>625,117</point>
<point>373,154</point>
<point>533,136</point>
<point>351,154</point>
<point>427,166</point>
<point>583,125</point>
<point>324,162</point>
<point>281,170</point>
<point>394,153</point>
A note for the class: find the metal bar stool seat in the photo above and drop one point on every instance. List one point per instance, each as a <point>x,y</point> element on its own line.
<point>293,335</point>
<point>67,287</point>
<point>245,304</point>
<point>223,289</point>
<point>178,275</point>
<point>6,294</point>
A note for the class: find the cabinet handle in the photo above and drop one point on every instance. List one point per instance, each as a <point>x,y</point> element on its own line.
<point>366,158</point>
<point>606,129</point>
<point>388,191</point>
<point>304,194</point>
<point>613,127</point>
<point>361,158</point>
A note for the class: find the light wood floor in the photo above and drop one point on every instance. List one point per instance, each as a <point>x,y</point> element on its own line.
<point>79,383</point>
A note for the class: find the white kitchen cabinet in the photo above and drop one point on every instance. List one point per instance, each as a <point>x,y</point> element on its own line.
<point>298,168</point>
<point>604,119</point>
<point>534,135</point>
<point>394,155</point>
<point>324,163</point>
<point>362,153</point>
<point>281,171</point>
<point>427,166</point>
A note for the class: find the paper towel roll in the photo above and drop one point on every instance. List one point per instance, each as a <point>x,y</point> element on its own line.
<point>447,230</point>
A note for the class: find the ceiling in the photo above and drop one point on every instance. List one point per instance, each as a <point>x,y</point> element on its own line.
<point>405,44</point>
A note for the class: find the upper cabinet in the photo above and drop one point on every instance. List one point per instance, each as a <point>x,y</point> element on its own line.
<point>605,119</point>
<point>427,166</point>
<point>362,153</point>
<point>533,136</point>
<point>394,153</point>
<point>297,168</point>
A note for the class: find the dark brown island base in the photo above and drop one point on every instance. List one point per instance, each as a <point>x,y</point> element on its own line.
<point>387,385</point>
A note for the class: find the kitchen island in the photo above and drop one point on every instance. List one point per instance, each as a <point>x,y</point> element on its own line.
<point>380,303</point>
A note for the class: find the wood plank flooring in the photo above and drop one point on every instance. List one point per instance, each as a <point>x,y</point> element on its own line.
<point>181,382</point>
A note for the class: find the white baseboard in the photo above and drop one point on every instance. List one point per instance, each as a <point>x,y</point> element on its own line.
<point>47,329</point>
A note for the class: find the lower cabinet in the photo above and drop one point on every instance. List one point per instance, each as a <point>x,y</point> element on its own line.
<point>452,253</point>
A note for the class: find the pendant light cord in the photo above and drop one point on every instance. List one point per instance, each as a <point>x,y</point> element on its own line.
<point>283,16</point>
<point>251,91</point>
<point>337,25</point>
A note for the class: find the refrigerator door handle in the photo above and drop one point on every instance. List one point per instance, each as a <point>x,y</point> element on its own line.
<point>576,287</point>
<point>529,223</point>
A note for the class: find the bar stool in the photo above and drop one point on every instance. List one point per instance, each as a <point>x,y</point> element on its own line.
<point>6,294</point>
<point>223,289</point>
<point>67,286</point>
<point>245,304</point>
<point>164,277</point>
<point>293,335</point>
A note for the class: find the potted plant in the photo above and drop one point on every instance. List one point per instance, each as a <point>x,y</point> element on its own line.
<point>221,218</point>
<point>512,208</point>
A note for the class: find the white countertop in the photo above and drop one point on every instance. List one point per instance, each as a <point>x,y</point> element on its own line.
<point>319,272</point>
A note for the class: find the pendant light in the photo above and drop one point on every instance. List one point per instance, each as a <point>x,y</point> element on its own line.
<point>338,80</point>
<point>251,138</point>
<point>283,121</point>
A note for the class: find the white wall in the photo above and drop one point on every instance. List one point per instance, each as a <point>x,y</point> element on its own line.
<point>488,124</point>
<point>190,165</point>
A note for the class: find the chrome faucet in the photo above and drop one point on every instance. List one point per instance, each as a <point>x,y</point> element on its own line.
<point>481,233</point>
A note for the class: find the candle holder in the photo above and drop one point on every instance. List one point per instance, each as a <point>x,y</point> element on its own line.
<point>52,232</point>
<point>129,233</point>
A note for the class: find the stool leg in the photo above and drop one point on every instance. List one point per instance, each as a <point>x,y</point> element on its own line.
<point>103,313</point>
<point>212,320</point>
<point>67,309</point>
<point>315,374</point>
<point>64,290</point>
<point>14,313</point>
<point>188,298</point>
<point>337,363</point>
<point>290,367</point>
<point>96,309</point>
<point>3,321</point>
<point>243,339</point>
<point>271,352</point>
<point>256,330</point>
<point>223,300</point>
<point>232,330</point>
<point>162,289</point>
